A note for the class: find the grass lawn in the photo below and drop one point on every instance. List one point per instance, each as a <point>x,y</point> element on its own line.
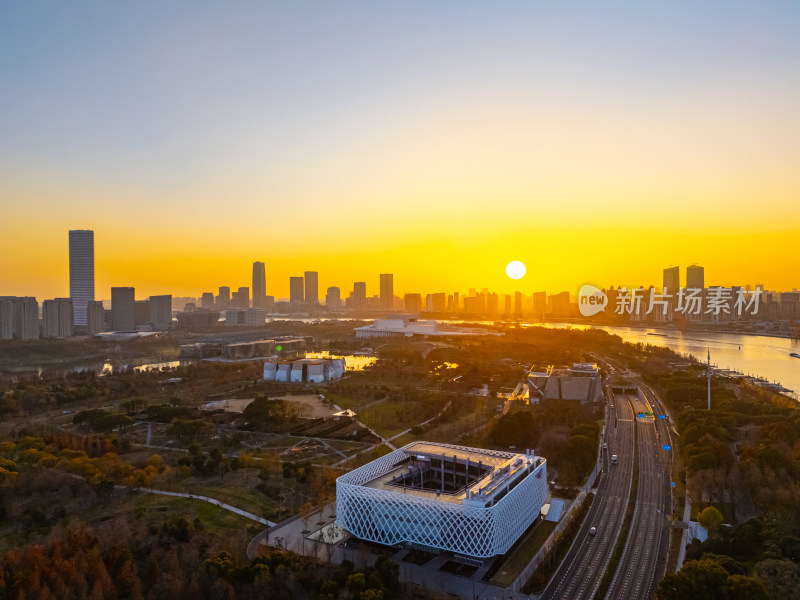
<point>237,488</point>
<point>522,554</point>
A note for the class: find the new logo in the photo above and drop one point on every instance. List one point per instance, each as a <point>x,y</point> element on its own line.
<point>591,300</point>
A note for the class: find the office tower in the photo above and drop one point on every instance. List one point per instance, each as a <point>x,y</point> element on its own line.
<point>21,315</point>
<point>207,301</point>
<point>296,289</point>
<point>95,317</point>
<point>57,318</point>
<point>224,296</point>
<point>492,303</point>
<point>141,309</point>
<point>672,279</point>
<point>506,304</point>
<point>438,302</point>
<point>456,302</point>
<point>6,318</point>
<point>387,291</point>
<point>161,312</point>
<point>81,272</point>
<point>241,298</point>
<point>518,303</point>
<point>259,285</point>
<point>333,298</point>
<point>695,277</point>
<point>413,303</point>
<point>123,309</point>
<point>312,287</point>
<point>360,295</point>
<point>539,303</point>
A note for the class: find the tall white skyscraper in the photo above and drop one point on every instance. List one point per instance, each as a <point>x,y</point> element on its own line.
<point>81,272</point>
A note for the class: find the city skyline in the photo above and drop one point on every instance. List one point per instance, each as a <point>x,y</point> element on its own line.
<point>449,143</point>
<point>81,268</point>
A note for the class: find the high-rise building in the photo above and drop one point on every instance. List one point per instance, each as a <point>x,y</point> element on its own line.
<point>95,317</point>
<point>413,303</point>
<point>333,298</point>
<point>387,291</point>
<point>492,303</point>
<point>7,312</point>
<point>672,279</point>
<point>142,312</point>
<point>517,303</point>
<point>161,312</point>
<point>695,277</point>
<point>81,272</point>
<point>296,293</point>
<point>436,302</point>
<point>359,295</point>
<point>259,285</point>
<point>312,287</point>
<point>539,303</point>
<point>224,296</point>
<point>57,318</point>
<point>25,315</point>
<point>123,309</point>
<point>207,301</point>
<point>241,298</point>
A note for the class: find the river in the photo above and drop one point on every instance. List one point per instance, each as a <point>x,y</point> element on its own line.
<point>758,355</point>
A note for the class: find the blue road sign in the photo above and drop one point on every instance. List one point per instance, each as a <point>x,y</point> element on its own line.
<point>672,483</point>
<point>662,416</point>
<point>667,447</point>
<point>640,415</point>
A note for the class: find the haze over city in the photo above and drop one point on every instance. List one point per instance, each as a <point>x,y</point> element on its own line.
<point>593,143</point>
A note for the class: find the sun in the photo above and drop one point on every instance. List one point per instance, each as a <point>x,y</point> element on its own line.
<point>515,269</point>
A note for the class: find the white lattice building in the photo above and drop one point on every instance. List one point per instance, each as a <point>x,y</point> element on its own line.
<point>468,501</point>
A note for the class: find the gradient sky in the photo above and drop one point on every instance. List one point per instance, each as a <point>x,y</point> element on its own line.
<point>595,142</point>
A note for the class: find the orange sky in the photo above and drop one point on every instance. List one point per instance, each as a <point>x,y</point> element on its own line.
<point>596,146</point>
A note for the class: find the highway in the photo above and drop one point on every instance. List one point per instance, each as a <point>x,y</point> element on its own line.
<point>580,573</point>
<point>643,561</point>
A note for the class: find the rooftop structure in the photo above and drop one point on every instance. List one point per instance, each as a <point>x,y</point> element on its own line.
<point>405,327</point>
<point>469,501</point>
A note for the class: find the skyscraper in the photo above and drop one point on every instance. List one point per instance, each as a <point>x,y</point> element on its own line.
<point>387,291</point>
<point>672,279</point>
<point>57,318</point>
<point>123,309</point>
<point>295,289</point>
<point>95,317</point>
<point>81,272</point>
<point>224,296</point>
<point>695,277</point>
<point>161,312</point>
<point>312,287</point>
<point>259,285</point>
<point>333,299</point>
<point>359,295</point>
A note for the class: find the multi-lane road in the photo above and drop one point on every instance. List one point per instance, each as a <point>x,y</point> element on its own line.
<point>643,559</point>
<point>582,570</point>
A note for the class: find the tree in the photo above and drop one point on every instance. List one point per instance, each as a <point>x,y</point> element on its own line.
<point>711,519</point>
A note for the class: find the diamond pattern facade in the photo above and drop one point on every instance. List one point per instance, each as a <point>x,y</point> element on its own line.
<point>479,526</point>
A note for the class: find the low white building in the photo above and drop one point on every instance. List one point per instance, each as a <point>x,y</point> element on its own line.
<point>405,327</point>
<point>308,370</point>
